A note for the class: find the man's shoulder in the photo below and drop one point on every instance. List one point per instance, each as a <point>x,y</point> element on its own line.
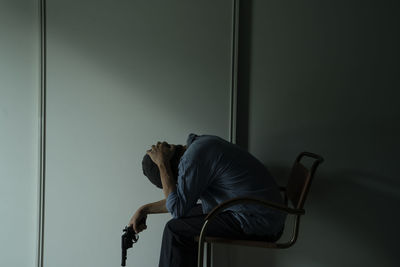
<point>204,140</point>
<point>201,148</point>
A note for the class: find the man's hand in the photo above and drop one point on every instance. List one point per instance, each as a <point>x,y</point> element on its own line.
<point>138,220</point>
<point>161,153</point>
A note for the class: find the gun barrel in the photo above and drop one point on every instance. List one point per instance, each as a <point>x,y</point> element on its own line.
<point>123,259</point>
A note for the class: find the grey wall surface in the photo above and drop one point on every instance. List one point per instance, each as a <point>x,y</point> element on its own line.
<point>123,75</point>
<point>324,77</point>
<point>19,92</point>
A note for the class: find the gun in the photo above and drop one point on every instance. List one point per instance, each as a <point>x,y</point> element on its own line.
<point>128,238</point>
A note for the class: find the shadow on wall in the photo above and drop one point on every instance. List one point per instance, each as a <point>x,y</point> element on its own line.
<point>244,70</point>
<point>356,216</point>
<point>324,79</point>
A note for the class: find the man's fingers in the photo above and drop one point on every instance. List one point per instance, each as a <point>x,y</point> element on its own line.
<point>173,147</point>
<point>137,228</point>
<point>140,228</point>
<point>165,144</point>
<point>160,145</point>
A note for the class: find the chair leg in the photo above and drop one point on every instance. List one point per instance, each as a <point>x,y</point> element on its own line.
<point>208,254</point>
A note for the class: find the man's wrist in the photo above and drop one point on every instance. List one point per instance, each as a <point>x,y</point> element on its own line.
<point>146,209</point>
<point>163,164</point>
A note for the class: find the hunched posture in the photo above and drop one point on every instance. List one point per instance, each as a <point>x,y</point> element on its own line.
<point>211,170</point>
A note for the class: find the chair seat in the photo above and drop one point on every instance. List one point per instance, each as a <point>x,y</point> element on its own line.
<point>239,242</point>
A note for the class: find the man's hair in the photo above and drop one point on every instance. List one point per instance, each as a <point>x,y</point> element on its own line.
<point>151,171</point>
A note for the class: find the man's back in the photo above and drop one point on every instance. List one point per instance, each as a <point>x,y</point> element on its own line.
<point>214,170</point>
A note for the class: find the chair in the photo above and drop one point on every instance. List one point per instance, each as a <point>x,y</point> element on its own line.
<point>296,192</point>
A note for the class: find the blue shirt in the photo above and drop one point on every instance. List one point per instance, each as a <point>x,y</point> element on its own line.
<point>214,170</point>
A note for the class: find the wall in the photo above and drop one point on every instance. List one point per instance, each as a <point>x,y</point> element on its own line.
<point>123,75</point>
<point>323,76</point>
<point>19,121</point>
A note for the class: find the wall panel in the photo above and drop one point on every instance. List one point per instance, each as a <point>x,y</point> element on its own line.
<point>19,131</point>
<point>324,77</point>
<point>121,76</point>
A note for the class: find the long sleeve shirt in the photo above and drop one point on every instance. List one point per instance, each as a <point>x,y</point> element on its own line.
<point>214,170</point>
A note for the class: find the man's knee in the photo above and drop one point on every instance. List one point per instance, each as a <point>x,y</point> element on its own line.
<point>171,227</point>
<point>180,231</point>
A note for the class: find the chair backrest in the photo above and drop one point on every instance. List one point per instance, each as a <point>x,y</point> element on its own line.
<point>301,178</point>
<point>296,191</point>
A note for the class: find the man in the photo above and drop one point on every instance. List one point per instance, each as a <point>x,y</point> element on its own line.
<point>212,170</point>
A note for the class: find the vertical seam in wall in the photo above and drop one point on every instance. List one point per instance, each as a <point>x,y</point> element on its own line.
<point>234,70</point>
<point>234,77</point>
<point>42,129</point>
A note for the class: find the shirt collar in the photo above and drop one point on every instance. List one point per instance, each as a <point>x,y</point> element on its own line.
<point>190,139</point>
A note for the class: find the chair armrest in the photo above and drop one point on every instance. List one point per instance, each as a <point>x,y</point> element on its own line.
<point>244,200</point>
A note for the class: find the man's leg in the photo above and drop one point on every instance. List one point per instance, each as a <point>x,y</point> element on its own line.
<point>179,248</point>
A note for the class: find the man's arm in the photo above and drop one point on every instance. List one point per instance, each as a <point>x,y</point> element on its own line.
<point>155,207</point>
<point>138,220</point>
<point>167,179</point>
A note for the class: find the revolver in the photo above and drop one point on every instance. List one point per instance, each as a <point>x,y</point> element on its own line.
<point>127,239</point>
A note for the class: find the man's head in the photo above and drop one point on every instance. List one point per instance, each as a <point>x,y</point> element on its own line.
<point>151,171</point>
